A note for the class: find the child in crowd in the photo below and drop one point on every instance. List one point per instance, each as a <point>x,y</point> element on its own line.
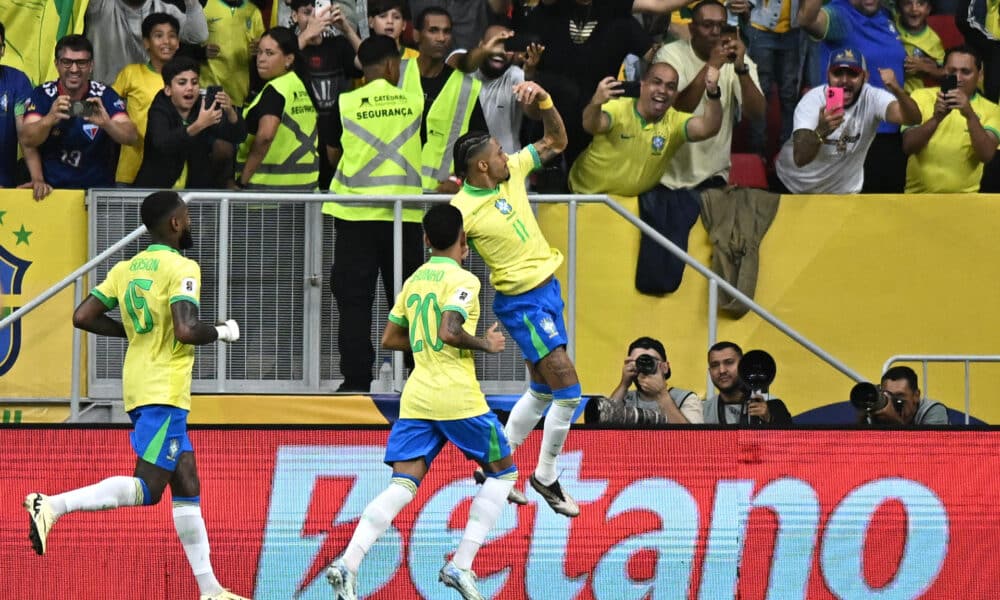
<point>924,52</point>
<point>139,83</point>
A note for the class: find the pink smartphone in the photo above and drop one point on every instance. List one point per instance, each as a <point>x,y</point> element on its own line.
<point>834,99</point>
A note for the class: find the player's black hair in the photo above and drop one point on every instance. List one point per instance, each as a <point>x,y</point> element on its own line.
<point>159,19</point>
<point>442,225</point>
<point>75,42</point>
<point>158,206</point>
<point>901,372</point>
<point>376,49</point>
<point>466,148</point>
<point>177,65</point>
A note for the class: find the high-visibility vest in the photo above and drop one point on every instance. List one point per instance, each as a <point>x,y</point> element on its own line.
<point>291,162</point>
<point>447,119</point>
<point>381,151</point>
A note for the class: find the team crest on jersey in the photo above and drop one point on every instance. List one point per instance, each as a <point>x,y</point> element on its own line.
<point>91,130</point>
<point>12,271</point>
<point>549,327</point>
<point>249,23</point>
<point>503,206</point>
<point>119,104</point>
<point>658,143</point>
<point>173,449</point>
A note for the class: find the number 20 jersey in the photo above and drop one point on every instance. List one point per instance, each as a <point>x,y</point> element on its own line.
<point>157,366</point>
<point>443,386</point>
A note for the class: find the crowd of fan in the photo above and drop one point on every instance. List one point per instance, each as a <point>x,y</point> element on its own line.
<point>869,99</point>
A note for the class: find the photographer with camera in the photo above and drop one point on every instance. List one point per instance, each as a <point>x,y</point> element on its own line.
<point>896,401</point>
<point>741,402</point>
<point>652,402</point>
<point>75,122</point>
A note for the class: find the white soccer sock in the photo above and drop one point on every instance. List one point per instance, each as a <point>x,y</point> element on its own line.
<point>376,519</point>
<point>103,495</point>
<point>554,435</point>
<point>525,415</point>
<point>190,528</point>
<point>483,514</point>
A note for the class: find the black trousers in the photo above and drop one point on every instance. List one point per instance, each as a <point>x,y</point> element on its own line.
<point>885,165</point>
<point>362,250</point>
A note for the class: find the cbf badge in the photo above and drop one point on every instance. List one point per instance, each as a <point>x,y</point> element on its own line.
<point>503,206</point>
<point>658,143</point>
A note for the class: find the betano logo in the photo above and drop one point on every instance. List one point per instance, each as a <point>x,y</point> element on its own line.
<point>12,271</point>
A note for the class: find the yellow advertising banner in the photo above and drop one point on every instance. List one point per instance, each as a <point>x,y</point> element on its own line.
<point>40,243</point>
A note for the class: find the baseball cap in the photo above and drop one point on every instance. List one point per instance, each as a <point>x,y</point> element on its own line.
<point>848,58</point>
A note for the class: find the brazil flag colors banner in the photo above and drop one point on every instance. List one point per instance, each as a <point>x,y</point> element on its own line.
<point>33,28</point>
<point>40,243</point>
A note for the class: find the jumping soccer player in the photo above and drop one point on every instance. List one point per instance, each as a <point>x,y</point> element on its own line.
<point>501,226</point>
<point>157,291</point>
<point>435,315</point>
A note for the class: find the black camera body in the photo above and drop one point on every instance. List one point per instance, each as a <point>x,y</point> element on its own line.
<point>872,398</point>
<point>645,364</point>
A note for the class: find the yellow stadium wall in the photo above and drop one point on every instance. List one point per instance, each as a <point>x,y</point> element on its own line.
<point>864,277</point>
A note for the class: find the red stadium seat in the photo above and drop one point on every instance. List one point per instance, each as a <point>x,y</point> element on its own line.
<point>944,26</point>
<point>748,170</point>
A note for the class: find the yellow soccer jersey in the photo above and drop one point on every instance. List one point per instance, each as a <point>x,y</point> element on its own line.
<point>993,17</point>
<point>137,84</point>
<point>503,230</point>
<point>631,146</point>
<point>922,43</point>
<point>233,30</point>
<point>157,367</point>
<point>948,163</point>
<point>443,385</point>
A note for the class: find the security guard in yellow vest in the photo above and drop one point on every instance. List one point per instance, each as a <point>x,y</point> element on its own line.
<point>280,151</point>
<point>451,94</point>
<point>378,135</point>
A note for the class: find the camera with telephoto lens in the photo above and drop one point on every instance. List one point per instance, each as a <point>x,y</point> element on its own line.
<point>870,397</point>
<point>756,370</point>
<point>645,364</point>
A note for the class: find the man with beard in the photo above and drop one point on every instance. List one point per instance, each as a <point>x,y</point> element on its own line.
<point>867,27</point>
<point>74,121</point>
<point>827,151</point>
<point>731,405</point>
<point>639,136</point>
<point>114,27</point>
<point>158,292</point>
<point>499,76</point>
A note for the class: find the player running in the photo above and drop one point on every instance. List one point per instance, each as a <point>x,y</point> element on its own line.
<point>435,315</point>
<point>158,292</point>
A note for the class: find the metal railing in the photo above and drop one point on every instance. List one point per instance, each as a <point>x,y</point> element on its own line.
<point>924,359</point>
<point>217,378</point>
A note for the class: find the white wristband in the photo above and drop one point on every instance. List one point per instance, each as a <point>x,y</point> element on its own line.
<point>228,332</point>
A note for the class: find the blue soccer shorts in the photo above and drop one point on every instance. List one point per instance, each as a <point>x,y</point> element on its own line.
<point>534,319</point>
<point>159,435</point>
<point>479,438</point>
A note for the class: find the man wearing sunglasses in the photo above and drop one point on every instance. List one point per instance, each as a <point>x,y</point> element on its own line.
<point>74,122</point>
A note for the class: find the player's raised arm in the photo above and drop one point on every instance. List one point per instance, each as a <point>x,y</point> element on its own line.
<point>92,316</point>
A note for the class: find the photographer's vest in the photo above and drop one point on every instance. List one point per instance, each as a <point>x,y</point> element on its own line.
<point>381,151</point>
<point>291,162</point>
<point>447,119</point>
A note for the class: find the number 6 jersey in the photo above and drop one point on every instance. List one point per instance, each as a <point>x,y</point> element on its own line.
<point>157,366</point>
<point>443,386</point>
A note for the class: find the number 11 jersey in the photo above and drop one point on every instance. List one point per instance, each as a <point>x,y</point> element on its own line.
<point>157,366</point>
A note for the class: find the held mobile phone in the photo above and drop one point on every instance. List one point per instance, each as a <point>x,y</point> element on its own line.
<point>82,108</point>
<point>630,89</point>
<point>834,99</point>
<point>519,42</point>
<point>948,83</point>
<point>209,93</point>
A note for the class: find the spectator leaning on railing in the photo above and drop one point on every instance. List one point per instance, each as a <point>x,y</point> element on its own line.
<point>15,90</point>
<point>74,121</point>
